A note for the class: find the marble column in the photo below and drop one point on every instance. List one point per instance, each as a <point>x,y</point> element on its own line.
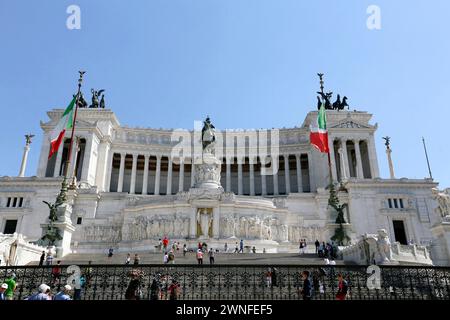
<point>181,177</point>
<point>346,163</point>
<point>103,162</point>
<point>158,174</point>
<point>192,172</point>
<point>133,174</point>
<point>275,183</point>
<point>252,177</point>
<point>169,176</point>
<point>216,223</point>
<point>263,180</point>
<point>391,165</point>
<point>87,159</point>
<point>228,175</point>
<point>299,173</point>
<point>145,178</point>
<point>107,186</point>
<point>373,160</point>
<point>333,161</point>
<point>240,184</point>
<point>121,172</point>
<point>23,165</point>
<point>341,152</point>
<point>287,174</point>
<point>359,168</point>
<point>58,160</point>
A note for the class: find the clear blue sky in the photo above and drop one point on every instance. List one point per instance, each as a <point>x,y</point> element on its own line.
<point>247,63</point>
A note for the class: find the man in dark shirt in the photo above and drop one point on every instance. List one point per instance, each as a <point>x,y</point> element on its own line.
<point>306,289</point>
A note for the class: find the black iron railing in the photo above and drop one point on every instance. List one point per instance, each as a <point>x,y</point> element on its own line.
<point>234,282</point>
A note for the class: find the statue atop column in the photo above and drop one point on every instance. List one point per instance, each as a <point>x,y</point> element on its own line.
<point>208,135</point>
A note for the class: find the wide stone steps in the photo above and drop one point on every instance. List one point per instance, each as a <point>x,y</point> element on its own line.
<point>190,258</point>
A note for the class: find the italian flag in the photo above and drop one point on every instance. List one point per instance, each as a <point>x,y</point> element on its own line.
<point>319,135</point>
<point>65,123</point>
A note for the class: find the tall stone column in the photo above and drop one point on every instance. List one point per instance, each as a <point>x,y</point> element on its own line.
<point>181,177</point>
<point>103,162</point>
<point>192,172</point>
<point>216,223</point>
<point>121,172</point>
<point>345,153</point>
<point>26,149</point>
<point>373,158</point>
<point>133,174</point>
<point>228,175</point>
<point>58,160</point>
<point>145,178</point>
<point>240,184</point>
<point>275,183</point>
<point>158,174</point>
<point>87,159</point>
<point>359,168</point>
<point>343,166</point>
<point>107,186</point>
<point>299,173</point>
<point>391,165</point>
<point>287,173</point>
<point>252,177</point>
<point>263,179</point>
<point>169,176</point>
<point>333,161</point>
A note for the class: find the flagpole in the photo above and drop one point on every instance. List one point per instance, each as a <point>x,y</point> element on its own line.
<point>66,168</point>
<point>426,155</point>
<point>62,196</point>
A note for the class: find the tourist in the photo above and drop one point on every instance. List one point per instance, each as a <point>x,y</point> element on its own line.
<point>64,294</point>
<point>184,250</point>
<point>166,258</point>
<point>11,282</point>
<point>304,246</point>
<point>136,259</point>
<point>211,256</point>
<point>41,260</point>
<point>3,288</point>
<point>317,244</point>
<point>306,288</point>
<point>274,277</point>
<point>326,261</point>
<point>342,288</point>
<point>133,291</point>
<point>325,250</point>
<point>174,290</point>
<point>49,260</point>
<point>56,272</point>
<point>200,246</point>
<point>110,253</point>
<point>128,259</point>
<point>178,246</point>
<point>254,249</point>
<point>200,256</point>
<point>241,246</point>
<point>300,247</point>
<point>225,247</point>
<point>154,290</point>
<point>165,243</point>
<point>204,247</point>
<point>171,257</point>
<point>77,292</point>
<point>269,277</point>
<point>236,248</point>
<point>320,252</point>
<point>264,250</point>
<point>160,245</point>
<point>42,294</point>
<point>89,273</point>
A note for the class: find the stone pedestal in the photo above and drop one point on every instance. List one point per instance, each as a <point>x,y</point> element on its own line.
<point>207,172</point>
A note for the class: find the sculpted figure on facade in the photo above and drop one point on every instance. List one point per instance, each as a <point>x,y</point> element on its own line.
<point>203,217</point>
<point>443,200</point>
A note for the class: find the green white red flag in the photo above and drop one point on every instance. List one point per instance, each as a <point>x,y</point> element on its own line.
<point>319,134</point>
<point>64,124</point>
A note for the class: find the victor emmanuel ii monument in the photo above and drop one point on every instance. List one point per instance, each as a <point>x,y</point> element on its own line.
<point>132,186</point>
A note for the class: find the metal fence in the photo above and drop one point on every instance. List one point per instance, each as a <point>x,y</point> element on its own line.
<point>236,282</point>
